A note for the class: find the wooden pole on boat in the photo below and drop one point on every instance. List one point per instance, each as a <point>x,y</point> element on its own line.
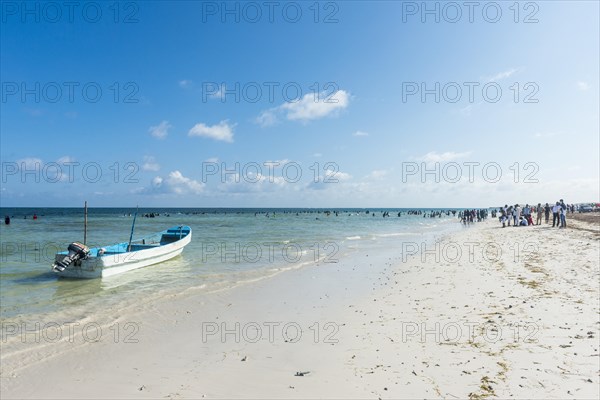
<point>132,226</point>
<point>85,223</point>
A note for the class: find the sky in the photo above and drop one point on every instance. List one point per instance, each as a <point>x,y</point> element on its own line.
<point>299,104</point>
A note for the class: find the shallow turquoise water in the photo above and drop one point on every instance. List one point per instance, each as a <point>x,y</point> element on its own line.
<point>228,246</point>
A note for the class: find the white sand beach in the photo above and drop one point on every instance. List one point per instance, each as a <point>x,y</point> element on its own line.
<point>489,312</point>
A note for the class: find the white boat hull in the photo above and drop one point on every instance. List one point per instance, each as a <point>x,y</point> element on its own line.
<point>113,264</point>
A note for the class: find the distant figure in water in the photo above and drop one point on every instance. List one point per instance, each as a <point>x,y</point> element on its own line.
<point>7,220</point>
<point>34,216</point>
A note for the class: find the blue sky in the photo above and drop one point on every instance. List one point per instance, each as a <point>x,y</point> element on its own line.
<point>158,103</point>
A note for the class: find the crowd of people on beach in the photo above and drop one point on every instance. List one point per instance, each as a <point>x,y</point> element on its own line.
<point>467,217</point>
<point>523,216</point>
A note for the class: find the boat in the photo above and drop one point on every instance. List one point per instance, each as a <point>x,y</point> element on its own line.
<point>80,261</point>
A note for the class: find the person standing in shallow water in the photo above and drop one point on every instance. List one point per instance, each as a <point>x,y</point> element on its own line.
<point>7,220</point>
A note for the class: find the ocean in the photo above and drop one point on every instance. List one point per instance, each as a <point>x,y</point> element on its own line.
<point>229,247</point>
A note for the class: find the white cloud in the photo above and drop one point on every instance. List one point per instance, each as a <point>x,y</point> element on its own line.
<point>50,171</point>
<point>330,179</point>
<point>65,160</point>
<point>310,107</point>
<point>63,173</point>
<point>157,181</point>
<point>222,131</point>
<point>502,75</point>
<point>212,160</point>
<point>185,83</point>
<point>220,93</point>
<point>150,164</point>
<point>181,184</point>
<point>360,133</point>
<point>176,183</point>
<point>433,156</point>
<point>331,175</point>
<point>253,182</point>
<point>267,117</point>
<point>377,174</point>
<point>583,86</point>
<point>161,130</point>
<point>318,155</point>
<point>30,163</point>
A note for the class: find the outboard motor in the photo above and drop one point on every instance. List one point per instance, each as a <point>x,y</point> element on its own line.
<point>77,251</point>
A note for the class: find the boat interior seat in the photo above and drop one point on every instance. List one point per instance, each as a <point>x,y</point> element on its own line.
<point>171,237</point>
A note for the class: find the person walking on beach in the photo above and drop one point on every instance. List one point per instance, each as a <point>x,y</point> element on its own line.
<point>555,217</point>
<point>538,210</point>
<point>516,215</point>
<point>547,213</point>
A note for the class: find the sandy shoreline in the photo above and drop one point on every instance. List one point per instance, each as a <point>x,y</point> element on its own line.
<point>488,312</point>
